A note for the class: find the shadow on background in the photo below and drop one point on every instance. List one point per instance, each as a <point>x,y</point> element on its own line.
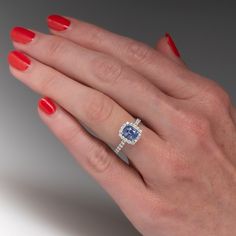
<point>72,216</point>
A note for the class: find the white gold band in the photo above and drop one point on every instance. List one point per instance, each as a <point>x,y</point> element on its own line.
<point>120,146</point>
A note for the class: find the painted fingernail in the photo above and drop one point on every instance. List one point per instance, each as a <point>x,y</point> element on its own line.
<point>172,45</point>
<point>47,105</point>
<point>58,23</point>
<point>22,35</point>
<point>18,60</point>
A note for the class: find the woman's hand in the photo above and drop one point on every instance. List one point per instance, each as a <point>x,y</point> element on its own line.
<point>181,180</point>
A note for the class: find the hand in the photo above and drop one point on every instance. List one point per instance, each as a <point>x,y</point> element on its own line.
<point>181,179</point>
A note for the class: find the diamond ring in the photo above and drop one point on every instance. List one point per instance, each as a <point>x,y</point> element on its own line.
<point>129,133</point>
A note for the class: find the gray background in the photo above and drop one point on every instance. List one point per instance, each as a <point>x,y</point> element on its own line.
<point>34,163</point>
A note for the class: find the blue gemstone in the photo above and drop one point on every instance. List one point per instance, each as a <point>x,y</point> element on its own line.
<point>130,132</point>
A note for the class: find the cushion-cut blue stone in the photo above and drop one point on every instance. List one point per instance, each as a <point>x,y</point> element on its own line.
<point>130,132</point>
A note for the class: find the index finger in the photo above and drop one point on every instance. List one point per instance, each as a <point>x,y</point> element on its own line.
<point>142,58</point>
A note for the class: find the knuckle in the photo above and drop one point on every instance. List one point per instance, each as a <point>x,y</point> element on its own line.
<point>95,36</point>
<point>182,169</point>
<point>99,158</point>
<point>198,125</point>
<point>99,108</point>
<point>178,165</point>
<point>55,47</point>
<point>139,51</point>
<point>48,83</point>
<point>69,134</point>
<point>216,97</point>
<point>107,69</point>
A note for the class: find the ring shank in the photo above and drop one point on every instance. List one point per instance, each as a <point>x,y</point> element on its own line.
<point>120,146</point>
<point>137,122</point>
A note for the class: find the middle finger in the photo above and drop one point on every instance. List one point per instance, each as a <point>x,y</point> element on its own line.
<point>102,72</point>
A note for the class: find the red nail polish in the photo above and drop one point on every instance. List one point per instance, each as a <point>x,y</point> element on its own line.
<point>47,105</point>
<point>172,45</point>
<point>58,23</point>
<point>22,35</point>
<point>18,60</point>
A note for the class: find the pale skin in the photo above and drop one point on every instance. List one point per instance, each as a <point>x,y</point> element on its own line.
<point>181,179</point>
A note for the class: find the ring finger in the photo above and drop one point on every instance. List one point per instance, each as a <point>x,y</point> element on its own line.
<point>94,109</point>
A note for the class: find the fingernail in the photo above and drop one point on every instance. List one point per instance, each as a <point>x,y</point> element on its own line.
<point>22,35</point>
<point>58,23</point>
<point>172,45</point>
<point>47,105</point>
<point>18,60</point>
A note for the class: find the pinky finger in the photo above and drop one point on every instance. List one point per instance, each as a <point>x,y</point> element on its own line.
<point>122,182</point>
<point>167,47</point>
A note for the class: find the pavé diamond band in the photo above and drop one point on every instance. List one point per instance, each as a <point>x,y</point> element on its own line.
<point>129,133</point>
